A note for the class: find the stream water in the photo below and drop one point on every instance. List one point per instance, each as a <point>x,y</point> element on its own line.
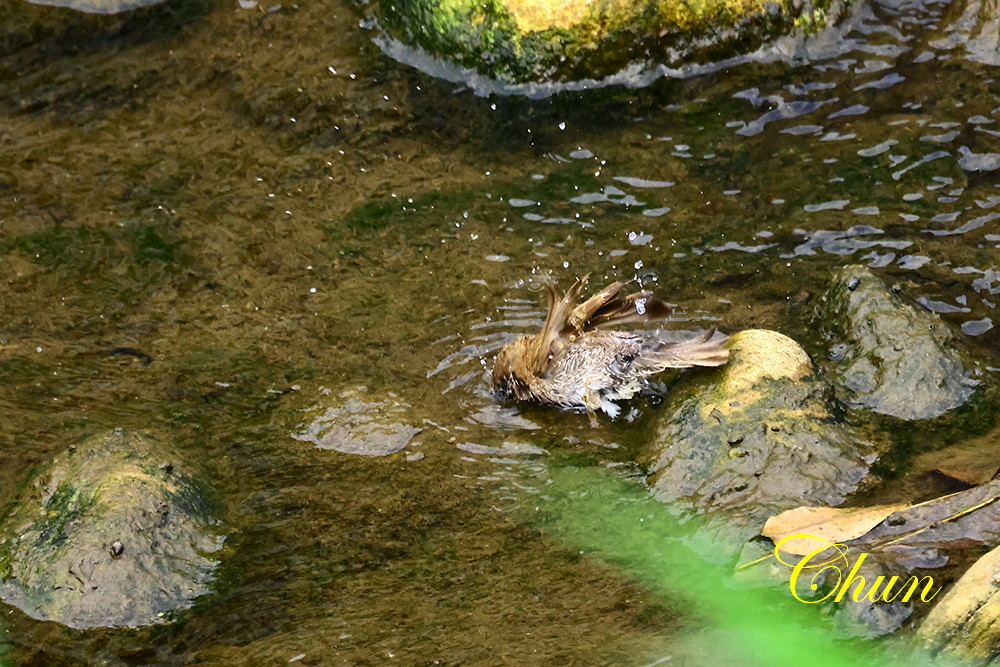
<point>301,232</point>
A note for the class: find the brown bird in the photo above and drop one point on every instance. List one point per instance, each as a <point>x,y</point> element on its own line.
<point>571,363</point>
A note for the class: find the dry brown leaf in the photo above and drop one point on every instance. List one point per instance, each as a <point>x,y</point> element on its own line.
<point>832,524</point>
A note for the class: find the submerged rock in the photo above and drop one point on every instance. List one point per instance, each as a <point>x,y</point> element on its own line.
<point>520,41</point>
<point>890,355</point>
<point>361,424</point>
<point>112,533</point>
<point>754,438</point>
<point>99,6</point>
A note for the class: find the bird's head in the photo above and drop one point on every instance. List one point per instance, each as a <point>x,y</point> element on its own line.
<point>512,369</point>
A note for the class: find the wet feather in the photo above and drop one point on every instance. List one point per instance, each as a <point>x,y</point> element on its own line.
<point>572,362</point>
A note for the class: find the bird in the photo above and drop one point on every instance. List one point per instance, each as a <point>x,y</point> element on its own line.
<point>573,363</point>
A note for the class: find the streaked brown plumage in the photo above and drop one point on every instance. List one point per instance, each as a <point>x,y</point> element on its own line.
<point>571,363</point>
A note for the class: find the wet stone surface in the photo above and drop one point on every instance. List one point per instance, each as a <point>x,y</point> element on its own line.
<point>111,533</point>
<point>361,424</point>
<point>888,354</point>
<point>519,42</point>
<point>754,438</point>
<point>98,6</point>
<point>962,624</point>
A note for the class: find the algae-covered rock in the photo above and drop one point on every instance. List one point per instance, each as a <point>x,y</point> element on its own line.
<point>890,355</point>
<point>965,623</point>
<point>521,41</point>
<point>113,532</point>
<point>98,6</point>
<point>754,438</point>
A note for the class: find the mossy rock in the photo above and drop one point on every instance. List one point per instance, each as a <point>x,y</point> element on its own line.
<point>754,438</point>
<point>890,355</point>
<point>522,41</point>
<point>98,6</point>
<point>113,532</point>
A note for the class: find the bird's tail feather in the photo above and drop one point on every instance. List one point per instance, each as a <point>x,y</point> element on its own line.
<point>704,350</point>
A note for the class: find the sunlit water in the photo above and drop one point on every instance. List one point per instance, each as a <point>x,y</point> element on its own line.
<point>304,234</point>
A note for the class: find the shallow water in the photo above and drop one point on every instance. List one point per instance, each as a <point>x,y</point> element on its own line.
<point>283,218</point>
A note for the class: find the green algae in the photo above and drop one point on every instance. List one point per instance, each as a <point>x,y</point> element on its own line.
<point>98,539</point>
<point>519,44</point>
<point>617,521</point>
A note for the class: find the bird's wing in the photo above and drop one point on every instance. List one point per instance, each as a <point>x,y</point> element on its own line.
<point>638,307</point>
<point>565,320</point>
<point>581,315</point>
<point>554,336</point>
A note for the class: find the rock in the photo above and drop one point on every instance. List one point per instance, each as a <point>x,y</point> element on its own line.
<point>517,41</point>
<point>98,6</point>
<point>754,438</point>
<point>361,424</point>
<point>889,355</point>
<point>114,532</point>
<point>963,624</point>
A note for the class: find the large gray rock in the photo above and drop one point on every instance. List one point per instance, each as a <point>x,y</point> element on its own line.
<point>754,438</point>
<point>113,532</point>
<point>889,355</point>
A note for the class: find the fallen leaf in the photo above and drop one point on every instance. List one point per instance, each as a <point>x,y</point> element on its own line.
<point>829,524</point>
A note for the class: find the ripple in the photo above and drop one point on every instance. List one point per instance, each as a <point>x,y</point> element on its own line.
<point>941,138</point>
<point>977,327</point>
<point>853,110</point>
<point>936,155</point>
<point>506,449</point>
<point>978,161</point>
<point>799,130</point>
<point>913,262</point>
<point>846,242</point>
<point>971,225</point>
<point>878,149</point>
<point>887,81</point>
<point>733,245</point>
<point>941,306</point>
<point>835,205</point>
<point>656,212</point>
<point>643,183</point>
<point>785,111</point>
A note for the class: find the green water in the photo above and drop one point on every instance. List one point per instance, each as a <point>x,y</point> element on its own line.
<point>276,213</point>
